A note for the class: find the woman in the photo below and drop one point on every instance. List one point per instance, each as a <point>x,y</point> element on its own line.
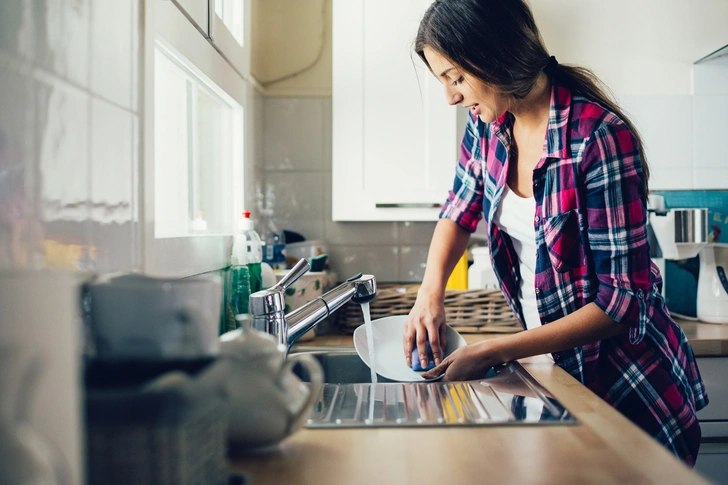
<point>558,172</point>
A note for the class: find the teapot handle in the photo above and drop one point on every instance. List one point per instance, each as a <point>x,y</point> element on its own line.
<point>314,370</point>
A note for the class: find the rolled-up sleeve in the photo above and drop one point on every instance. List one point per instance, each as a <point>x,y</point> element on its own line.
<point>464,204</point>
<point>616,218</point>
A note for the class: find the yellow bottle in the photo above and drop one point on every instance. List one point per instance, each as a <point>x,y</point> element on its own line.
<point>459,277</point>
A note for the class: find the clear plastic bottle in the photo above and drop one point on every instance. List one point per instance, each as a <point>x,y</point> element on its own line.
<point>251,245</point>
<point>274,241</point>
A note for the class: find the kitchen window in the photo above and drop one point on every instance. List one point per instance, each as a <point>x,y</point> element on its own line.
<point>198,150</point>
<point>196,138</point>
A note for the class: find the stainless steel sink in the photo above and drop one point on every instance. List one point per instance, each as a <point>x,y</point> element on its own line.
<point>507,395</point>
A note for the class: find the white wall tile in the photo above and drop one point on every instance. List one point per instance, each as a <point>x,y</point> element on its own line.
<point>711,178</point>
<point>17,159</point>
<point>376,233</point>
<point>328,132</point>
<point>711,131</point>
<point>112,162</point>
<point>664,123</point>
<point>381,261</point>
<point>258,105</point>
<point>293,134</point>
<point>63,166</point>
<point>711,77</point>
<point>672,179</point>
<point>297,200</point>
<point>416,232</point>
<point>21,27</point>
<point>412,261</point>
<point>71,46</point>
<point>135,54</point>
<point>111,42</point>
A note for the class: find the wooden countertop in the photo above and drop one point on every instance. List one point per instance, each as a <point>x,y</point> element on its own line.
<point>604,448</point>
<point>706,339</point>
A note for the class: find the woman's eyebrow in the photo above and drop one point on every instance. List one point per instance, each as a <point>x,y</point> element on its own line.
<point>442,74</point>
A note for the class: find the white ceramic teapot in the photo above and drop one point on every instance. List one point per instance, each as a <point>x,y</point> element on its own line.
<point>266,401</point>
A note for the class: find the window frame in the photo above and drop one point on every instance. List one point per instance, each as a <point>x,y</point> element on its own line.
<point>192,254</point>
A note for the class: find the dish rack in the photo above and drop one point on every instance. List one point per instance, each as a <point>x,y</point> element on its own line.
<point>468,311</point>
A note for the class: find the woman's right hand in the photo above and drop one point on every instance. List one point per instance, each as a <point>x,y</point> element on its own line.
<point>426,321</point>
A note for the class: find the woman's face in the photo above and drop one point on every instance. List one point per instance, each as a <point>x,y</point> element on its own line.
<point>462,88</point>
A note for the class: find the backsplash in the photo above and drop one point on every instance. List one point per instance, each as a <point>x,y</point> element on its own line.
<point>297,154</point>
<point>69,134</point>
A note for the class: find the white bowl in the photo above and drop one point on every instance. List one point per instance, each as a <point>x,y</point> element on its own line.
<point>389,356</point>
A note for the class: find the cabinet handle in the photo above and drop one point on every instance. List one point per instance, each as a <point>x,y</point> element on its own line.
<point>415,205</point>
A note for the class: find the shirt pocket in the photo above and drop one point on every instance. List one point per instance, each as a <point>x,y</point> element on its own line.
<point>562,235</point>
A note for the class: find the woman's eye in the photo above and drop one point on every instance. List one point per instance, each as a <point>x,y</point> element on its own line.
<point>457,81</point>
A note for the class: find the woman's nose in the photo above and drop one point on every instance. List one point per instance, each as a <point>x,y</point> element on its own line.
<point>452,96</point>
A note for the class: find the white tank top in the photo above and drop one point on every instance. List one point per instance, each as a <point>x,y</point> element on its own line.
<point>515,217</point>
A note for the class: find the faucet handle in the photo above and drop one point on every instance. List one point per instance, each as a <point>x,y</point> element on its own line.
<point>266,302</point>
<point>298,270</point>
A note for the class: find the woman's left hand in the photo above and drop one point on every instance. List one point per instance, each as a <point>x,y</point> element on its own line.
<point>466,363</point>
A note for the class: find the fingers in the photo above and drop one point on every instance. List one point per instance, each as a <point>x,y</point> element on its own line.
<point>435,343</point>
<point>408,342</point>
<point>422,347</point>
<point>437,371</point>
<point>443,338</point>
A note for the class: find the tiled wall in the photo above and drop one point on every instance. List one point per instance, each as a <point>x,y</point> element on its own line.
<point>70,124</point>
<point>297,156</point>
<point>710,128</point>
<point>685,135</point>
<point>69,134</point>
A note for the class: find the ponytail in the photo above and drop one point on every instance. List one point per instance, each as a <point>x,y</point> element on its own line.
<point>584,82</point>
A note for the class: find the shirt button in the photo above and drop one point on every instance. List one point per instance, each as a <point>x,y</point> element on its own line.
<point>538,290</point>
<point>536,218</point>
<point>557,357</point>
<point>640,294</point>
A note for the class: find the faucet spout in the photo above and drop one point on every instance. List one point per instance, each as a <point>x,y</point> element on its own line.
<point>267,306</point>
<point>359,289</point>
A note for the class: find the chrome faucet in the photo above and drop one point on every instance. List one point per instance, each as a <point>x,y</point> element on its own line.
<point>268,307</point>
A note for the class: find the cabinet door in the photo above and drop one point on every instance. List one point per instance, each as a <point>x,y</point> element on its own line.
<point>394,136</point>
<point>197,12</point>
<point>230,31</point>
<point>713,371</point>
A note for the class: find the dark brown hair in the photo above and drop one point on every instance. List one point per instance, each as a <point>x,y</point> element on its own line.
<point>497,41</point>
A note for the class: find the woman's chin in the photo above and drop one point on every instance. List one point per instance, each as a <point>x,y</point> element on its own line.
<point>487,117</point>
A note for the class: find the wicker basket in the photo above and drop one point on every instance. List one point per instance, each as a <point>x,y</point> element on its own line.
<point>468,311</point>
<point>172,435</point>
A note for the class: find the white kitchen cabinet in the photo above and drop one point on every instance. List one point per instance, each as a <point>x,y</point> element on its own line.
<point>197,12</point>
<point>395,139</point>
<point>713,457</point>
<point>230,32</point>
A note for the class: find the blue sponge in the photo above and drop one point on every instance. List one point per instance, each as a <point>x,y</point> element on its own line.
<point>416,359</point>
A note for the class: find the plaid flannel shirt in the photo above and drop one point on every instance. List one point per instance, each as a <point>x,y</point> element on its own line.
<point>591,235</point>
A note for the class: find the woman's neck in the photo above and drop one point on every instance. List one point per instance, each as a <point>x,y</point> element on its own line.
<point>532,112</point>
